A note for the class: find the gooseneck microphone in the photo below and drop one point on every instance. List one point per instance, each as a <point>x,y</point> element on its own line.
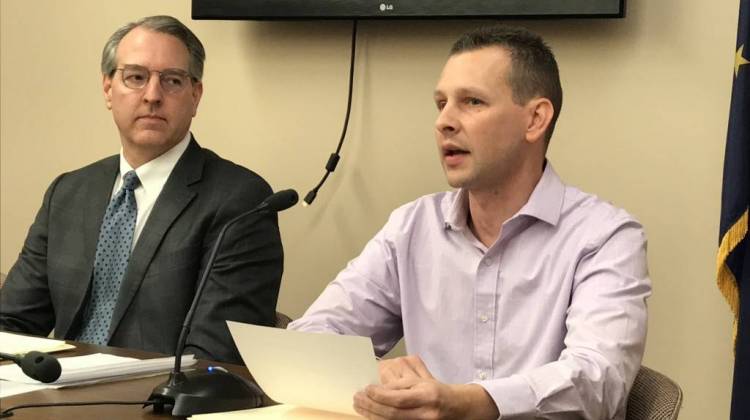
<point>37,365</point>
<point>276,202</point>
<point>215,389</point>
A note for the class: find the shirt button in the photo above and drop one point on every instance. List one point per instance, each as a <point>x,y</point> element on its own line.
<point>486,262</point>
<point>482,375</point>
<point>483,318</point>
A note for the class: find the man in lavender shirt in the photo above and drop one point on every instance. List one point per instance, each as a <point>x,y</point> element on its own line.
<point>518,296</point>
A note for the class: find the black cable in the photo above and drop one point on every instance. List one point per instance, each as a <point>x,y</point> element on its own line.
<point>9,411</point>
<point>333,160</point>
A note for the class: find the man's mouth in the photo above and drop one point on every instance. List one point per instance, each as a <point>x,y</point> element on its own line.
<point>451,150</point>
<point>455,152</point>
<point>152,117</point>
<point>453,156</point>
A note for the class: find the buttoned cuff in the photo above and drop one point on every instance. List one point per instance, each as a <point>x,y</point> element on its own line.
<point>512,395</point>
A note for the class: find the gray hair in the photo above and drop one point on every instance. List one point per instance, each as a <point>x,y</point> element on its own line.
<point>161,24</point>
<point>533,71</point>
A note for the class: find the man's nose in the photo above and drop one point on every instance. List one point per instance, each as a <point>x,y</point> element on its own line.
<point>447,122</point>
<point>153,91</point>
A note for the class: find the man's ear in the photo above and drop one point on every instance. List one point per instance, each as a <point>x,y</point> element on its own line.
<point>197,93</point>
<point>540,112</point>
<point>107,86</point>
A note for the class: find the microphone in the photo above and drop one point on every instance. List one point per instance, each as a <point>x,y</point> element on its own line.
<point>277,202</point>
<point>215,389</point>
<point>37,365</point>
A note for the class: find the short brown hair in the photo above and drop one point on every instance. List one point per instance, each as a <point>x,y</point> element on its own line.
<point>533,72</point>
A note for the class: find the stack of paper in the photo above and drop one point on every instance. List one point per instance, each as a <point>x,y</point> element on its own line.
<point>20,344</point>
<point>92,368</point>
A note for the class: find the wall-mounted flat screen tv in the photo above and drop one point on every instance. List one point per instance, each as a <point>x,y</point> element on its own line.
<point>404,9</point>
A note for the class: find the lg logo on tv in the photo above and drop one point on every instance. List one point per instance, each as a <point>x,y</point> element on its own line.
<point>385,7</point>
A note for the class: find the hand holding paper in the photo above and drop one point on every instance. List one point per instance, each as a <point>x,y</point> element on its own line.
<point>322,371</point>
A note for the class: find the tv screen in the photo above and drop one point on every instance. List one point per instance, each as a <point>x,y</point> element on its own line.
<point>404,9</point>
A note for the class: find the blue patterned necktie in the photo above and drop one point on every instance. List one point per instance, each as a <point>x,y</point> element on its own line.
<point>111,261</point>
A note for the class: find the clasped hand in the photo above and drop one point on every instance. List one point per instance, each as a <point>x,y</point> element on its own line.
<point>409,391</point>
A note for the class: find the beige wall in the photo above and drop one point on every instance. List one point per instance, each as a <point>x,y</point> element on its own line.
<point>645,115</point>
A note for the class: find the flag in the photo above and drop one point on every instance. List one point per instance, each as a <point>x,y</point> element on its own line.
<point>733,259</point>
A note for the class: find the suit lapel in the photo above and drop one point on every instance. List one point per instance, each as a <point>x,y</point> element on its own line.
<point>173,199</point>
<point>99,189</point>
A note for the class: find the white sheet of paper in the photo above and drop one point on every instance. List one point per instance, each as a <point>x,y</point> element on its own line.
<point>281,412</point>
<point>313,370</point>
<point>8,388</point>
<point>20,344</point>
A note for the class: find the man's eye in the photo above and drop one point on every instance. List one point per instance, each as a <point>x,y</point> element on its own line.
<point>474,101</point>
<point>173,80</point>
<point>135,77</point>
<point>440,105</point>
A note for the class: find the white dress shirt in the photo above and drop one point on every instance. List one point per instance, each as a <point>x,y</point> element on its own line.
<point>153,175</point>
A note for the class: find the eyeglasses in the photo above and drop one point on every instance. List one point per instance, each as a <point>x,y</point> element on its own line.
<point>137,77</point>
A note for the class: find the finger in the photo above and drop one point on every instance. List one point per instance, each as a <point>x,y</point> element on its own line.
<point>367,408</point>
<point>403,383</point>
<point>417,365</point>
<point>370,409</point>
<point>364,413</point>
<point>411,404</point>
<point>394,369</point>
<point>401,398</point>
<point>387,373</point>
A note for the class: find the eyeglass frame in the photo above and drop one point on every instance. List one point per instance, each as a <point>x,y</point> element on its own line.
<point>175,71</point>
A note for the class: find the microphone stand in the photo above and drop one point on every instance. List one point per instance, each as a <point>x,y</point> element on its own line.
<point>215,389</point>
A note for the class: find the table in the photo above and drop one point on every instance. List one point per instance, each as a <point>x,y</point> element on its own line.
<point>131,390</point>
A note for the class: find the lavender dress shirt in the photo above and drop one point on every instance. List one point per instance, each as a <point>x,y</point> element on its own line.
<point>550,319</point>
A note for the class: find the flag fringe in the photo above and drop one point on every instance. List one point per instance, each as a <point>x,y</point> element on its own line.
<point>724,277</point>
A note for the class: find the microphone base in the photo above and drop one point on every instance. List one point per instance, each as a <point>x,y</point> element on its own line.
<point>208,391</point>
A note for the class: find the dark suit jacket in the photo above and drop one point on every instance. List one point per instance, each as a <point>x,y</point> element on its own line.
<point>48,286</point>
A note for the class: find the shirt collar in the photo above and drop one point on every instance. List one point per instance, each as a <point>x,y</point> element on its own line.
<point>545,202</point>
<point>154,173</point>
<point>458,209</point>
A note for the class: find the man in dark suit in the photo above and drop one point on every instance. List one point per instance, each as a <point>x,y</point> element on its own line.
<point>117,248</point>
